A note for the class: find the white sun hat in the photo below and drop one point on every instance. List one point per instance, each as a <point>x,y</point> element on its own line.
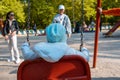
<point>61,7</point>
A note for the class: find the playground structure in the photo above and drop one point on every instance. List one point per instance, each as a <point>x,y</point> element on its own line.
<point>114,28</point>
<point>70,67</point>
<point>114,12</point>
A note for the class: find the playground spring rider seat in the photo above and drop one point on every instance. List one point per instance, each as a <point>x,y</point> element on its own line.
<point>71,67</point>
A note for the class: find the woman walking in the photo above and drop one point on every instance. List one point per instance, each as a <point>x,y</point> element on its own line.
<point>10,30</point>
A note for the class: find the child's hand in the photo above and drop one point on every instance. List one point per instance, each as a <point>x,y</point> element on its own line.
<point>100,10</point>
<point>68,35</point>
<point>6,37</point>
<point>13,33</point>
<point>25,44</point>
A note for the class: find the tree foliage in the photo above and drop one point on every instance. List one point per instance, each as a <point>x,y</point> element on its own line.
<point>12,5</point>
<point>43,11</point>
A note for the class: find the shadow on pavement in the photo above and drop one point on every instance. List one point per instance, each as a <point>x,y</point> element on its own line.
<point>13,72</point>
<point>5,58</point>
<point>107,78</point>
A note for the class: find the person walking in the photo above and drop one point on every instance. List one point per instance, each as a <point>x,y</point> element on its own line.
<point>85,26</point>
<point>10,30</point>
<point>63,19</point>
<point>35,29</point>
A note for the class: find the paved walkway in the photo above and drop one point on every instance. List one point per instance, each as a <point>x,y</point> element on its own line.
<point>108,62</point>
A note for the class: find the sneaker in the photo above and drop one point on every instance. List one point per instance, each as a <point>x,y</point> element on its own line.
<point>11,59</point>
<point>17,61</point>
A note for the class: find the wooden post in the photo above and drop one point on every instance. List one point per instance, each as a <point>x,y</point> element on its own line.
<point>96,34</point>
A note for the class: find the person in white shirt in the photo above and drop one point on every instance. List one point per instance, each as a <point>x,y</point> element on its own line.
<point>10,30</point>
<point>55,47</point>
<point>63,19</point>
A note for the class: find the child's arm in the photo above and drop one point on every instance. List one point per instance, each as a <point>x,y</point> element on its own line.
<point>27,52</point>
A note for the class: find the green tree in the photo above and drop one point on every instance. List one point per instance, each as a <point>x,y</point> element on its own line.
<point>41,12</point>
<point>12,5</point>
<point>90,9</point>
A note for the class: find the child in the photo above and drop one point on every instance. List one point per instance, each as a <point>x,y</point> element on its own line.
<point>55,47</point>
<point>63,19</point>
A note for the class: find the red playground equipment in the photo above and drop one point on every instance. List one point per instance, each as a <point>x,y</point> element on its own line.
<point>109,33</point>
<point>114,12</point>
<point>70,67</point>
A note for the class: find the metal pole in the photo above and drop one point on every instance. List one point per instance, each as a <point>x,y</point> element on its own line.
<point>73,12</point>
<point>28,21</point>
<point>96,34</point>
<point>82,25</point>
